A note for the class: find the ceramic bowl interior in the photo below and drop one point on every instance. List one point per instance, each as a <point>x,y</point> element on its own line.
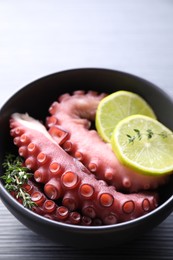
<point>35,99</point>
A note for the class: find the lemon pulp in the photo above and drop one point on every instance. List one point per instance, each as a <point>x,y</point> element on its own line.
<point>117,106</point>
<point>143,144</point>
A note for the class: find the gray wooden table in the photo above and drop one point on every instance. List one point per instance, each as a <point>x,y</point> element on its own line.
<point>39,37</point>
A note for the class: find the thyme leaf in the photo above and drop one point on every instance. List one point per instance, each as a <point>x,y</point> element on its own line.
<point>15,176</point>
<point>149,134</point>
<point>131,138</point>
<point>138,133</point>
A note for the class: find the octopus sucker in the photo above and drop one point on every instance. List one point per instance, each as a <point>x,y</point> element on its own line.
<point>110,219</point>
<point>30,162</point>
<point>49,206</point>
<point>49,209</point>
<point>23,151</point>
<point>40,175</point>
<point>68,146</point>
<point>74,217</point>
<point>38,197</point>
<point>78,155</point>
<point>69,200</point>
<point>128,206</point>
<point>55,168</point>
<point>86,190</point>
<point>31,147</point>
<point>53,189</point>
<point>74,114</point>
<point>59,134</point>
<point>106,199</point>
<point>89,211</point>
<point>86,221</point>
<point>92,166</point>
<point>62,212</point>
<point>42,158</point>
<point>71,182</point>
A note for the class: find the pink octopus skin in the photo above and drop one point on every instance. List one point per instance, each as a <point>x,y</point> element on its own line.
<point>49,209</point>
<point>69,124</point>
<point>66,178</point>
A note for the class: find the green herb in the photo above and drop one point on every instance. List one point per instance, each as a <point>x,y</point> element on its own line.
<point>15,176</point>
<point>149,134</point>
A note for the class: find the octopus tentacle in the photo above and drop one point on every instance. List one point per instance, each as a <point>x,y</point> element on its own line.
<point>75,112</point>
<point>74,182</point>
<point>49,209</point>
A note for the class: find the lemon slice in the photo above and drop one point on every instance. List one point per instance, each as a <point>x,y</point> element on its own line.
<point>144,144</point>
<point>117,106</point>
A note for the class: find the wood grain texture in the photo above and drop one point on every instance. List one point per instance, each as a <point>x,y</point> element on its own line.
<point>41,37</point>
<point>18,242</point>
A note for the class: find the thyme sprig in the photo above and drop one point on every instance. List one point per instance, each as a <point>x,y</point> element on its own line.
<point>15,176</point>
<point>149,134</point>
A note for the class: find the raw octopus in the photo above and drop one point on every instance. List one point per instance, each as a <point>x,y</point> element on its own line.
<point>49,209</point>
<point>69,124</point>
<point>67,179</point>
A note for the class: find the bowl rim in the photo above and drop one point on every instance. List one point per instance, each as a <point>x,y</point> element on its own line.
<point>86,69</point>
<point>130,223</point>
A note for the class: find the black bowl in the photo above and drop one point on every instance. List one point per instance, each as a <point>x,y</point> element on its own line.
<point>35,99</point>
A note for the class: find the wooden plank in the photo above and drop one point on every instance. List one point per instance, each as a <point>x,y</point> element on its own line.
<point>18,242</point>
